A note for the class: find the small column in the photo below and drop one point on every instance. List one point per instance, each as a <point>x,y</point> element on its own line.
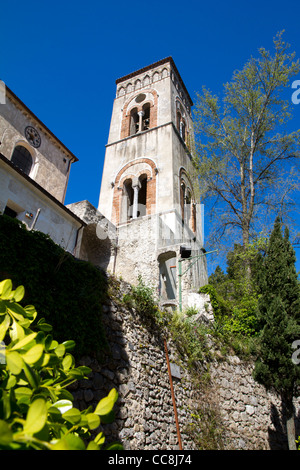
<point>136,189</point>
<point>141,114</point>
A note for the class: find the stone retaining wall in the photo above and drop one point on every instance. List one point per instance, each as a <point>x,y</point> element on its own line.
<point>247,416</point>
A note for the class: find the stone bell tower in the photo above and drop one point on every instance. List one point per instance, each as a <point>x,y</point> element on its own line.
<point>148,190</point>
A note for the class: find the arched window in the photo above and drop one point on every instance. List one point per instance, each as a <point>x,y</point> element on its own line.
<point>127,201</point>
<point>180,121</point>
<point>187,202</point>
<point>142,198</point>
<point>22,159</point>
<point>134,198</point>
<point>134,121</point>
<point>146,117</point>
<point>140,119</point>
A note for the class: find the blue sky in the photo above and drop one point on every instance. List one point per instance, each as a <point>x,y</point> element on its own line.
<point>61,58</point>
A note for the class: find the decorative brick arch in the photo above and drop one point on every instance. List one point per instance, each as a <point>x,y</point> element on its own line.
<point>125,125</point>
<point>133,171</point>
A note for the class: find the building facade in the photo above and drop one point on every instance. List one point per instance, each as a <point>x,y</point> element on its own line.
<point>34,174</point>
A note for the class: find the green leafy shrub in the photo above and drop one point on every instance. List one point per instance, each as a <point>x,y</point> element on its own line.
<point>220,307</point>
<point>191,311</point>
<point>36,409</point>
<point>190,338</point>
<point>142,299</point>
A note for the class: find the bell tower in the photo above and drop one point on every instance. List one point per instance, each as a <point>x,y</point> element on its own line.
<point>147,188</point>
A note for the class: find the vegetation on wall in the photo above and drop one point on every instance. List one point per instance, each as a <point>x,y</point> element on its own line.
<point>69,292</point>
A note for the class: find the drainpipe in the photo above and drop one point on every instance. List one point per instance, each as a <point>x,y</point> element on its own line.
<point>35,219</point>
<point>173,397</point>
<point>76,240</point>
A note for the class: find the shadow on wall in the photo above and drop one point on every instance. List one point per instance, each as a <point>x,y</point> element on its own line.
<point>277,434</point>
<point>136,382</point>
<point>95,250</point>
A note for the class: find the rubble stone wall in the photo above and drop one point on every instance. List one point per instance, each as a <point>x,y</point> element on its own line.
<point>248,417</point>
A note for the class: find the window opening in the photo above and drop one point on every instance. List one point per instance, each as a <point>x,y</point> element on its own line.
<point>22,159</point>
<point>140,120</point>
<point>134,121</point>
<point>127,202</point>
<point>146,117</point>
<point>142,197</point>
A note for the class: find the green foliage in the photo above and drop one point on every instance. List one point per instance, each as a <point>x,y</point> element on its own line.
<point>36,409</point>
<point>218,304</point>
<point>190,338</point>
<point>242,155</point>
<point>279,315</point>
<point>142,299</point>
<point>205,427</point>
<point>67,291</point>
<point>190,311</point>
<point>235,294</point>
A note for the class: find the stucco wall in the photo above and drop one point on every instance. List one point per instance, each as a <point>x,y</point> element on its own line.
<point>24,197</point>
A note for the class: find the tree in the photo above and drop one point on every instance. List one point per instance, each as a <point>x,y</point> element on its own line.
<point>279,316</point>
<point>242,159</point>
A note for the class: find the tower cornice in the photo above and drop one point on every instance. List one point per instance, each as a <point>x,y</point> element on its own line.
<point>157,64</point>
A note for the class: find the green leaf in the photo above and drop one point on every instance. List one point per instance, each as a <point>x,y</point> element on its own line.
<point>100,438</point>
<point>92,446</point>
<point>67,362</point>
<point>31,376</point>
<point>115,446</point>
<point>25,341</point>
<point>60,350</point>
<point>105,406</point>
<point>108,418</point>
<point>93,420</point>
<point>72,415</point>
<point>69,345</point>
<point>16,311</point>
<point>6,435</point>
<point>30,311</point>
<point>2,307</point>
<point>34,354</point>
<point>14,362</point>
<point>5,289</point>
<point>84,369</point>
<point>42,325</point>
<point>23,393</point>
<point>4,327</point>
<point>75,374</point>
<point>36,416</point>
<point>63,405</point>
<point>69,442</point>
<point>6,404</point>
<point>16,331</point>
<point>113,394</point>
<point>48,341</point>
<point>19,293</point>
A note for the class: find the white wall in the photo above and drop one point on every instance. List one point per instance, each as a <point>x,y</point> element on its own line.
<point>23,197</point>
